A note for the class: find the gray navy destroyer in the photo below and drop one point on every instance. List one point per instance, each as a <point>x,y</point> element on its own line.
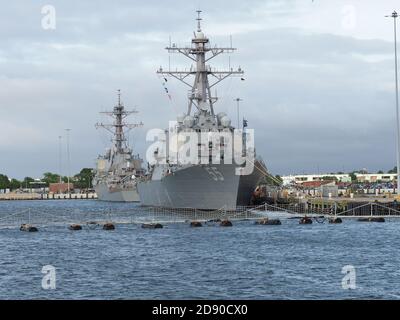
<point>202,184</point>
<point>118,170</point>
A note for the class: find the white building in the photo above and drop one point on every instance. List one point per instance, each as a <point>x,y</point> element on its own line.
<point>376,177</point>
<point>313,177</point>
<point>361,177</point>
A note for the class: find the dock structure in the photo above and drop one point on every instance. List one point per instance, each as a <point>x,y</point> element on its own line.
<point>342,208</point>
<point>48,196</point>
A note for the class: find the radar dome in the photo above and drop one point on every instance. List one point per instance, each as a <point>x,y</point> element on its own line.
<point>221,115</point>
<point>200,35</point>
<point>225,121</point>
<point>188,121</point>
<point>180,117</point>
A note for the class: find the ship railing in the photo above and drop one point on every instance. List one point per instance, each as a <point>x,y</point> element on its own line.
<point>371,209</point>
<point>366,209</point>
<point>291,208</point>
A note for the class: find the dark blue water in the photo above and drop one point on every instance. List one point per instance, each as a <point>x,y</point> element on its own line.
<point>246,261</point>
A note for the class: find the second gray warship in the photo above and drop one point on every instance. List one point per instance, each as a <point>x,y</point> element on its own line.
<point>118,170</point>
<point>203,183</point>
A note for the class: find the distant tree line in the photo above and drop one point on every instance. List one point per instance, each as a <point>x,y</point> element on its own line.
<point>82,180</point>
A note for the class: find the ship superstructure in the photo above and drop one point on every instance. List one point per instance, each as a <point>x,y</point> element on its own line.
<point>118,170</point>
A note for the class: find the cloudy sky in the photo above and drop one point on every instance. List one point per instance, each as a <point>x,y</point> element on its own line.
<point>319,88</point>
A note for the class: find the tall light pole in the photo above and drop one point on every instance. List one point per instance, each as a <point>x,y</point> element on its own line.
<point>237,105</point>
<point>394,15</point>
<point>68,160</point>
<point>59,158</point>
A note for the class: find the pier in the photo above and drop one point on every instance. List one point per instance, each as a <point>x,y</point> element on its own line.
<point>342,208</point>
<point>48,196</point>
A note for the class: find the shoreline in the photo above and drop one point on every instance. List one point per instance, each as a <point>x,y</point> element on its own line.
<point>47,196</point>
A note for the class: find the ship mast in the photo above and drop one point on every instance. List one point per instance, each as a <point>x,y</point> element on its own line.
<point>200,52</point>
<point>117,127</point>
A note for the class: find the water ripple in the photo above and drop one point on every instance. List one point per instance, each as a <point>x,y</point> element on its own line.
<point>178,262</point>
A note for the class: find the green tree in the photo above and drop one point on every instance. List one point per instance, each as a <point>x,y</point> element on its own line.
<point>83,179</point>
<point>353,176</point>
<point>394,170</point>
<point>15,184</point>
<point>26,182</point>
<point>380,172</point>
<point>49,177</point>
<point>4,182</point>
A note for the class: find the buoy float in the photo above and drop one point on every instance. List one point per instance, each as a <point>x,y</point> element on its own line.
<point>335,220</point>
<point>226,223</point>
<point>28,228</point>
<point>152,225</point>
<point>75,227</point>
<point>269,222</point>
<point>108,226</point>
<point>372,219</point>
<point>196,224</point>
<point>305,220</point>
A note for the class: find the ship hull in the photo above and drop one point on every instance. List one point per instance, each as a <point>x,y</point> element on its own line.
<point>126,195</point>
<point>200,187</point>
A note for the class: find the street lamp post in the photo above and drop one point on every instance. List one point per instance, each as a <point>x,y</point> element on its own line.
<point>68,162</point>
<point>394,15</point>
<point>59,158</point>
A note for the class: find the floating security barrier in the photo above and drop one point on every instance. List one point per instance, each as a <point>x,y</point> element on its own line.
<point>335,220</point>
<point>226,223</point>
<point>108,226</point>
<point>152,225</point>
<point>196,224</point>
<point>28,228</point>
<point>269,222</point>
<point>305,220</point>
<point>372,219</point>
<point>75,227</point>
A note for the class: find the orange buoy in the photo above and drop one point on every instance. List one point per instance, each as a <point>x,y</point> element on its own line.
<point>196,224</point>
<point>28,228</point>
<point>305,220</point>
<point>108,226</point>
<point>226,223</point>
<point>75,227</point>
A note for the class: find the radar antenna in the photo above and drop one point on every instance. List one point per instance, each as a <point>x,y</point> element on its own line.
<point>200,52</point>
<point>117,127</point>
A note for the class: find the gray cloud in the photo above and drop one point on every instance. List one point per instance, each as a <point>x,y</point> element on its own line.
<point>316,96</point>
